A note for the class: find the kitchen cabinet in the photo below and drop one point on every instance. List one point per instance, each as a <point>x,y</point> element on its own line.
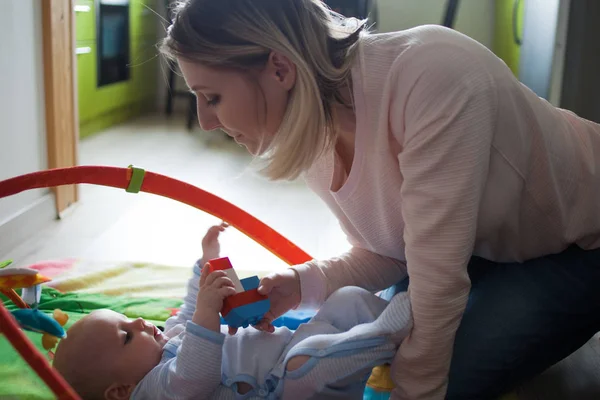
<point>85,20</point>
<point>103,106</point>
<point>143,19</point>
<point>507,32</point>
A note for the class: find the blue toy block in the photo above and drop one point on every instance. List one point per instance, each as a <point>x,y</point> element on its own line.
<point>250,283</point>
<point>249,314</point>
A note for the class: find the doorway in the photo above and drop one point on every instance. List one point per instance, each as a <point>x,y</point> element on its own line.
<point>60,101</point>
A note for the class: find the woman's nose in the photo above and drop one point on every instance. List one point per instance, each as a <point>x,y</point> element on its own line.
<point>208,120</point>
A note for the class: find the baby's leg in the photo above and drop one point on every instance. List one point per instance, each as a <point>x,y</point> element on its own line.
<point>345,308</point>
<point>341,375</point>
<point>296,362</point>
<point>355,309</point>
<point>350,306</point>
<point>331,364</point>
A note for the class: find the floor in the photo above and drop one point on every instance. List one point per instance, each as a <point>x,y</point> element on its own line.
<point>110,224</point>
<point>575,378</point>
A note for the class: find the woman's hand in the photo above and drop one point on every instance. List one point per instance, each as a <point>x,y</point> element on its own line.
<point>283,289</point>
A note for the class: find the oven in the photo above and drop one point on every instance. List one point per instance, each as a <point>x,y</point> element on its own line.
<point>113,41</point>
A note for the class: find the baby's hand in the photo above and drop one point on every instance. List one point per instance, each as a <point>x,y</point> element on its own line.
<point>214,288</point>
<point>210,243</point>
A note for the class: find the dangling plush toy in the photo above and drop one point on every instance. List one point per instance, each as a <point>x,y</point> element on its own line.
<point>28,316</point>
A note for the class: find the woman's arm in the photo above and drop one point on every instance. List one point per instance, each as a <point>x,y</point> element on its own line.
<point>443,115</point>
<point>357,267</point>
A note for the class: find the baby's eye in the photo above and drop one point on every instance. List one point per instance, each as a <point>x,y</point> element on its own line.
<point>127,337</point>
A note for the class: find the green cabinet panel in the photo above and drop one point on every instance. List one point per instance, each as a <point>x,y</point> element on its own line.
<point>143,18</point>
<point>86,79</point>
<point>113,96</point>
<point>144,68</point>
<point>141,86</point>
<point>85,20</point>
<point>509,15</point>
<point>102,107</point>
<point>93,100</point>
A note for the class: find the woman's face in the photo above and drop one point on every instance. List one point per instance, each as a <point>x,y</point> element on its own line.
<point>248,106</point>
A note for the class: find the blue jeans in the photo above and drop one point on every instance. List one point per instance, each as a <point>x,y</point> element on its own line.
<point>522,318</point>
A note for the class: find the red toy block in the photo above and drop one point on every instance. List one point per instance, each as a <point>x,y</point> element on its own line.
<point>241,299</point>
<point>218,264</point>
<point>248,304</point>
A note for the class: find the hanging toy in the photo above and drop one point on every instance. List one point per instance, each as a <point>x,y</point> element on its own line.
<point>28,316</point>
<point>34,320</point>
<point>18,278</point>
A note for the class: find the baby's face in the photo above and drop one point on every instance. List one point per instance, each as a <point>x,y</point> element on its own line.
<point>114,348</point>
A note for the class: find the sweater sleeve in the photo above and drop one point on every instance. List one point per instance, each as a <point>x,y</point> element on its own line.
<point>186,311</point>
<point>194,373</point>
<point>443,115</point>
<point>357,267</point>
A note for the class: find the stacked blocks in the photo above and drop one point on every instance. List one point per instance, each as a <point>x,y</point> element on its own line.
<point>247,306</point>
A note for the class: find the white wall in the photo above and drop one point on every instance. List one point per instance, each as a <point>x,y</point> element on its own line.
<point>474,18</point>
<point>22,121</point>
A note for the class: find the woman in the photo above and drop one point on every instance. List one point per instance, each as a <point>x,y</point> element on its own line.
<point>439,165</point>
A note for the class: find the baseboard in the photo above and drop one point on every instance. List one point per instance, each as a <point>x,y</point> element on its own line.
<point>27,222</point>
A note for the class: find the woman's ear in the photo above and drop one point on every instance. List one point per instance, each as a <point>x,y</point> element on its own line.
<point>282,69</point>
<point>119,391</point>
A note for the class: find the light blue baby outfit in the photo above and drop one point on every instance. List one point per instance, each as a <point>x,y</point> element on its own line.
<point>350,334</point>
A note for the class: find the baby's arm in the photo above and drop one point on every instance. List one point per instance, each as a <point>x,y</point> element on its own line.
<point>194,372</point>
<point>210,250</point>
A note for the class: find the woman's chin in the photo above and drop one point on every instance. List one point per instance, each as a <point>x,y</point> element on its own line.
<point>252,148</point>
<point>240,141</point>
<point>255,148</point>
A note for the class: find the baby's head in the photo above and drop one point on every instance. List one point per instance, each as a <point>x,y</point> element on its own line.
<point>105,354</point>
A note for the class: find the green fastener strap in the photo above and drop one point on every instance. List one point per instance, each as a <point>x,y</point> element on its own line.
<point>4,264</point>
<point>137,178</point>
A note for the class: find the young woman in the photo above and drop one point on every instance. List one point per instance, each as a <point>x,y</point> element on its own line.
<point>441,167</point>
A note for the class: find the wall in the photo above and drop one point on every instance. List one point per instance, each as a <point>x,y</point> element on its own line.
<point>22,123</point>
<point>474,18</point>
<point>560,48</point>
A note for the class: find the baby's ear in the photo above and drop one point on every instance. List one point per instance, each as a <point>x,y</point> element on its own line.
<point>119,391</point>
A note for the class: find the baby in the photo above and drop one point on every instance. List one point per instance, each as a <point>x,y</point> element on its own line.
<point>108,356</point>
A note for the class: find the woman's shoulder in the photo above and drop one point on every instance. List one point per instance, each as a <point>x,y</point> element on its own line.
<point>418,42</point>
<point>385,58</point>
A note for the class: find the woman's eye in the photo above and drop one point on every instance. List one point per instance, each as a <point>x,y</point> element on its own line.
<point>127,337</point>
<point>213,101</point>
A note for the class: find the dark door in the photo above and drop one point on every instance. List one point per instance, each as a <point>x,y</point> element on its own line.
<point>581,78</point>
<point>113,41</point>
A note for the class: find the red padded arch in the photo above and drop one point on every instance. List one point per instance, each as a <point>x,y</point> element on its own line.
<point>153,183</point>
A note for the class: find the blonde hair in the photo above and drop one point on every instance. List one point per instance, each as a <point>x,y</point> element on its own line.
<point>241,34</point>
